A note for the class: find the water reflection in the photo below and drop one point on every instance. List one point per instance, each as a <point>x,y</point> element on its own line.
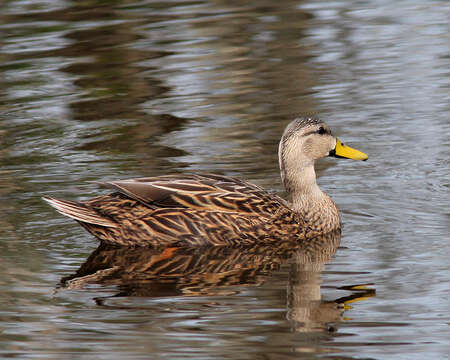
<point>218,271</point>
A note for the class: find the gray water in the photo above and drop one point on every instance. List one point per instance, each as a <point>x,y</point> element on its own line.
<point>102,90</point>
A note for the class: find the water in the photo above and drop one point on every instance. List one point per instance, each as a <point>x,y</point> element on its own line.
<point>106,90</point>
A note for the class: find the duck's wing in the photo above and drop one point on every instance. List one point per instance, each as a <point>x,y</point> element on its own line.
<point>203,192</point>
<point>183,210</point>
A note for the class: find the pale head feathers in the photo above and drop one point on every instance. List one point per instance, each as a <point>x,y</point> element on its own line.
<point>305,140</point>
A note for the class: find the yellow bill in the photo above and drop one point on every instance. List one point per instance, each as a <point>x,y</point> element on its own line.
<point>344,151</point>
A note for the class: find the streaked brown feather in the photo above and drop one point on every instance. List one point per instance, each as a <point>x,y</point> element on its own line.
<point>79,212</point>
<point>209,209</point>
<point>192,210</point>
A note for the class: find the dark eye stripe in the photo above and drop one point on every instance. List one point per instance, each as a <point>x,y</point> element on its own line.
<point>321,131</point>
<point>309,133</point>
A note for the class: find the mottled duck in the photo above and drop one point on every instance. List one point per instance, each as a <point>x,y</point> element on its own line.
<point>207,209</point>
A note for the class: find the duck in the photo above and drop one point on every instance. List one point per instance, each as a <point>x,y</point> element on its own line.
<point>181,210</point>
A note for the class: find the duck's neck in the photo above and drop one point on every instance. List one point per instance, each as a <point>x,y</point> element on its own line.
<point>303,188</point>
<point>309,202</point>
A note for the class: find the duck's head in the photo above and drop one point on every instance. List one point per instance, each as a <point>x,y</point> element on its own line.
<point>307,139</point>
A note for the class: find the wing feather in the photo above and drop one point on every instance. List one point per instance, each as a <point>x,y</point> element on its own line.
<point>187,210</point>
<point>208,191</point>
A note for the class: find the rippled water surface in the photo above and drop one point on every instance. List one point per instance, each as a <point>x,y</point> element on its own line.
<point>97,90</point>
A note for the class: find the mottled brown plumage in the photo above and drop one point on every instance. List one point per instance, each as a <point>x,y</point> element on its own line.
<point>196,210</point>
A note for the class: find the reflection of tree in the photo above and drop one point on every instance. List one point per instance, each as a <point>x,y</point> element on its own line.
<point>213,270</point>
<point>112,85</point>
<point>130,69</point>
<point>109,77</point>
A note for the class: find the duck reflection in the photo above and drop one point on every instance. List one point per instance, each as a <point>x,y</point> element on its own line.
<point>306,309</point>
<point>213,271</point>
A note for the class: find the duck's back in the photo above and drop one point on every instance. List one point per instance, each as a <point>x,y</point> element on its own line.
<point>184,210</point>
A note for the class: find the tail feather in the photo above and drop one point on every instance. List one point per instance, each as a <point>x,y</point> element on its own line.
<point>79,212</point>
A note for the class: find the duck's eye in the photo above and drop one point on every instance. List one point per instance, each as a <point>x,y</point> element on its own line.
<point>321,131</point>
